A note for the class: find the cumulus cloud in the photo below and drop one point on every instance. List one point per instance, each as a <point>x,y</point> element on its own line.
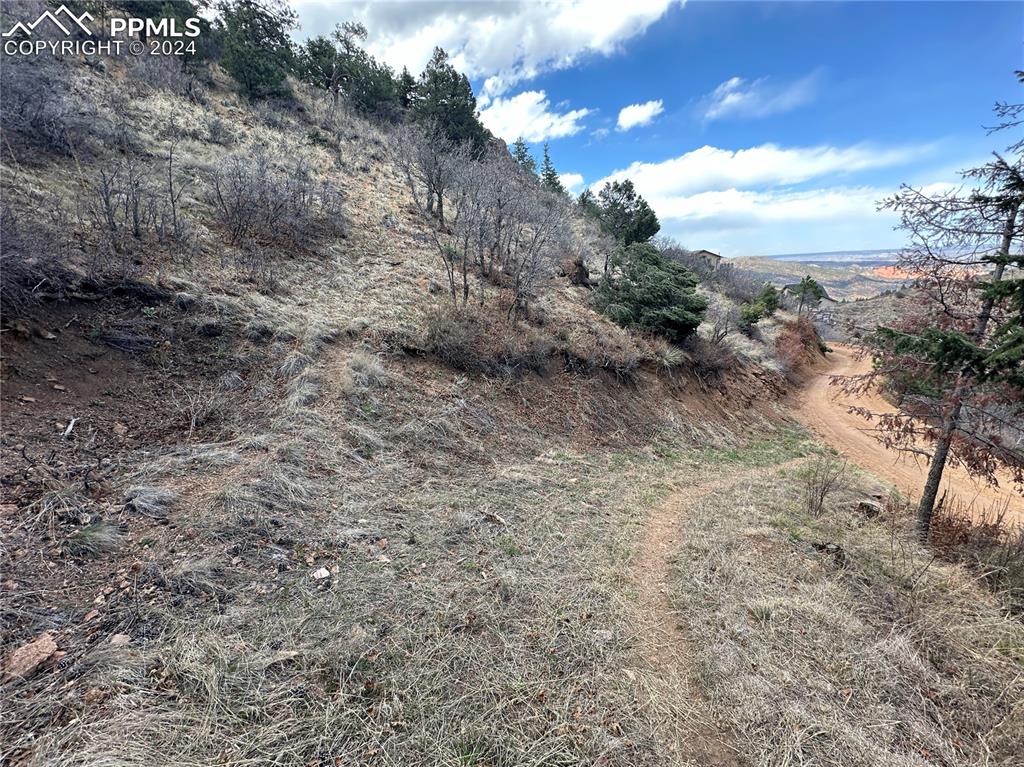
<point>741,201</point>
<point>740,98</point>
<point>573,182</point>
<point>529,114</point>
<point>504,43</point>
<point>636,115</point>
<point>747,208</point>
<point>713,169</point>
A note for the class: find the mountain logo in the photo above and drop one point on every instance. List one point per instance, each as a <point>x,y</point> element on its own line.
<point>55,17</point>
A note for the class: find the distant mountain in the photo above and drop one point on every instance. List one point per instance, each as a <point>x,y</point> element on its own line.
<point>868,258</point>
<point>844,279</point>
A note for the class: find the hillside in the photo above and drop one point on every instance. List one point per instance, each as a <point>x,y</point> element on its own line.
<point>272,496</point>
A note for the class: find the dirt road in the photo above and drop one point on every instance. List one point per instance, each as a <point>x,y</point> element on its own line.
<point>824,409</point>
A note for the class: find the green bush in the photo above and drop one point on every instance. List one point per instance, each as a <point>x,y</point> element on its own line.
<point>765,305</point>
<point>751,314</point>
<point>770,299</point>
<point>644,290</point>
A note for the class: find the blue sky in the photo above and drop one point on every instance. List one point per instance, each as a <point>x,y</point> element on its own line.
<point>752,128</point>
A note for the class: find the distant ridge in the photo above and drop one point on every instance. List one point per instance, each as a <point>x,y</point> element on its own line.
<point>886,255</point>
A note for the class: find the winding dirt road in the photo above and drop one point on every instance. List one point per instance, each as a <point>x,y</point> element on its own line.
<point>824,409</point>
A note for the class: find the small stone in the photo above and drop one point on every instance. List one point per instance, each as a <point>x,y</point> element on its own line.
<point>120,640</point>
<point>24,661</point>
<point>321,574</point>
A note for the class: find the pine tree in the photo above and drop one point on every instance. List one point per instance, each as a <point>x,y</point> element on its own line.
<point>406,88</point>
<point>521,154</point>
<point>257,48</point>
<point>809,292</point>
<point>646,291</point>
<point>959,356</point>
<point>587,203</point>
<point>625,215</point>
<point>548,175</point>
<point>444,98</point>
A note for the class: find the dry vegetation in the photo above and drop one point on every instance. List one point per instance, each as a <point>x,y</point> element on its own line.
<point>288,506</point>
<point>833,639</point>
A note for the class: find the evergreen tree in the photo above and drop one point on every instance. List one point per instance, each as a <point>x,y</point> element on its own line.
<point>521,154</point>
<point>809,293</point>
<point>341,66</point>
<point>959,356</point>
<point>647,291</point>
<point>548,175</point>
<point>587,204</point>
<point>443,97</point>
<point>625,215</point>
<point>406,88</point>
<point>257,48</point>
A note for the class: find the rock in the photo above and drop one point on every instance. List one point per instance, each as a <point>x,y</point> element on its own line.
<point>834,550</point>
<point>322,574</point>
<point>94,695</point>
<point>869,508</point>
<point>120,640</point>
<point>24,661</point>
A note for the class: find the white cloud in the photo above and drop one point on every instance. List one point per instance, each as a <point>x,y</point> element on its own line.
<point>505,43</point>
<point>710,168</point>
<point>746,208</point>
<point>573,182</point>
<point>636,115</point>
<point>754,200</point>
<point>529,114</point>
<point>737,97</point>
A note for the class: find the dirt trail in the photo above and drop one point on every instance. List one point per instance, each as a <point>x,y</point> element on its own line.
<point>664,640</point>
<point>824,409</point>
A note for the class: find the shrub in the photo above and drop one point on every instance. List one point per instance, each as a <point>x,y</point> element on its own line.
<point>985,541</point>
<point>42,111</point>
<point>468,339</point>
<point>751,314</point>
<point>260,197</point>
<point>766,303</point>
<point>709,357</point>
<point>587,350</point>
<point>824,476</point>
<point>645,291</point>
<point>34,256</point>
<point>770,299</point>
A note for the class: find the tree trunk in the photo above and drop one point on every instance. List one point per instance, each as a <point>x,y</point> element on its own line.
<point>926,508</point>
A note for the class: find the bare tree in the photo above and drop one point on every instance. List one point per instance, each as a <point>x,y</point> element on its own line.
<point>260,196</point>
<point>429,161</point>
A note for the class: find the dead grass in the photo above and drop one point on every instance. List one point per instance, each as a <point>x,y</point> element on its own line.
<point>92,540</point>
<point>838,642</point>
<point>985,542</point>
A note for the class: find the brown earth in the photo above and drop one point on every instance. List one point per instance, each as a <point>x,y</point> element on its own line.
<point>823,408</point>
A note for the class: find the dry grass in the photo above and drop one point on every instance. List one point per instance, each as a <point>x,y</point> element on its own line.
<point>833,641</point>
<point>475,532</point>
<point>986,542</point>
<point>92,540</point>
